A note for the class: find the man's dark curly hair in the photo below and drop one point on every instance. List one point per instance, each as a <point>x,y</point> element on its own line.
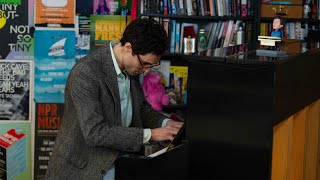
<point>145,36</point>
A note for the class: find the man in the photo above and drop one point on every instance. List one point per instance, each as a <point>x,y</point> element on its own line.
<point>105,111</point>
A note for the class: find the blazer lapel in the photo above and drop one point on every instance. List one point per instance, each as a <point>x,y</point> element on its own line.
<point>136,121</point>
<point>111,79</point>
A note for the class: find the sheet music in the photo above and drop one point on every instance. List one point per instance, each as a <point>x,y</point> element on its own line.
<point>158,152</point>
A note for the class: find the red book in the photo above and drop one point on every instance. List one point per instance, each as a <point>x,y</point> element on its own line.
<point>134,7</point>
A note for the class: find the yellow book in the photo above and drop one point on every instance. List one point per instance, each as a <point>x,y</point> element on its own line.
<point>179,80</point>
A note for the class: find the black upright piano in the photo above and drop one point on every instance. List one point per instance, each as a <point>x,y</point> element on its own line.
<point>234,102</point>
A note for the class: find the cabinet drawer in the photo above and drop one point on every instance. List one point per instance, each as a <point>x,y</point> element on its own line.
<point>291,47</point>
<point>286,11</point>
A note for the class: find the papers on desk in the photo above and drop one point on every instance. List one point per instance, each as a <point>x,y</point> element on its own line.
<point>158,152</point>
<point>268,40</point>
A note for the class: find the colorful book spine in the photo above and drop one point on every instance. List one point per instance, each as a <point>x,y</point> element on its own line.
<point>177,38</point>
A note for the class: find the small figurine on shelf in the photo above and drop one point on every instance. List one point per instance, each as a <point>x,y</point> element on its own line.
<point>279,29</point>
<point>272,42</point>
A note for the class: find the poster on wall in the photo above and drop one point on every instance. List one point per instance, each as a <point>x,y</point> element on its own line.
<point>82,46</point>
<point>54,58</point>
<point>111,7</point>
<point>82,37</point>
<point>104,29</point>
<point>16,89</point>
<point>57,13</point>
<point>15,30</point>
<point>15,150</point>
<point>47,124</point>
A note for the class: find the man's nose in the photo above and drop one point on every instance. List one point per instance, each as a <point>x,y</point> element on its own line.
<point>146,70</point>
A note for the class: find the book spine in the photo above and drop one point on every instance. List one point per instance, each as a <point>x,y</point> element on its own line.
<point>165,7</point>
<point>172,36</point>
<point>244,8</point>
<point>195,7</point>
<point>177,38</point>
<point>173,7</point>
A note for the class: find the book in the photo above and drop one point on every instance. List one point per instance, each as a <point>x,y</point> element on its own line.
<point>244,8</point>
<point>212,35</point>
<point>172,36</point>
<point>177,39</point>
<point>216,35</point>
<point>228,34</point>
<point>190,11</point>
<point>178,82</point>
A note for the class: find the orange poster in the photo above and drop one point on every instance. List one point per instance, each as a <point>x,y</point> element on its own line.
<point>55,12</point>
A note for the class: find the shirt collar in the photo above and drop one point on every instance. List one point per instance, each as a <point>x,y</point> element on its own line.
<point>115,63</point>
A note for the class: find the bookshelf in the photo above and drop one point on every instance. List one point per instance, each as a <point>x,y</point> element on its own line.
<point>220,19</point>
<point>206,14</point>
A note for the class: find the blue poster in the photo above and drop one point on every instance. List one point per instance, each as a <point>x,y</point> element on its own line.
<point>54,58</point>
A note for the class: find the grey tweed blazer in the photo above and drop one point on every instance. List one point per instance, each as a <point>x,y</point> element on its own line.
<point>91,135</point>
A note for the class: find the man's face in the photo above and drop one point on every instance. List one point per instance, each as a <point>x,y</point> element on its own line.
<point>277,24</point>
<point>138,64</point>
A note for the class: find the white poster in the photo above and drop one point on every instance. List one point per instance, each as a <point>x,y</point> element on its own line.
<point>16,89</point>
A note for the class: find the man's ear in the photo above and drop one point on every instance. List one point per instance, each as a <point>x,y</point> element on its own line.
<point>281,26</point>
<point>128,47</point>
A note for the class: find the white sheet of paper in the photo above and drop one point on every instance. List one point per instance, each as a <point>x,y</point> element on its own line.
<point>158,152</point>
